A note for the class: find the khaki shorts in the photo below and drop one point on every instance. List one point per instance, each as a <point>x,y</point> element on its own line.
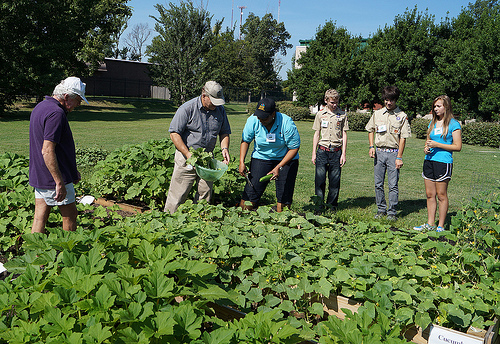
<point>49,194</point>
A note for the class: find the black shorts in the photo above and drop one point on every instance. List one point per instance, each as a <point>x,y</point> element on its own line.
<point>437,171</point>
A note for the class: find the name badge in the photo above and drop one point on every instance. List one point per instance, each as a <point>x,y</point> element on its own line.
<point>438,131</point>
<point>271,137</point>
<point>324,124</point>
<point>382,128</point>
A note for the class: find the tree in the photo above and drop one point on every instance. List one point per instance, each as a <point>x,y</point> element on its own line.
<point>114,50</point>
<point>403,55</point>
<point>470,60</point>
<point>135,40</point>
<point>225,60</point>
<point>264,39</point>
<point>177,52</point>
<point>42,42</point>
<point>330,61</point>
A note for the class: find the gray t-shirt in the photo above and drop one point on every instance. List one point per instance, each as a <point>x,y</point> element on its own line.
<point>199,127</point>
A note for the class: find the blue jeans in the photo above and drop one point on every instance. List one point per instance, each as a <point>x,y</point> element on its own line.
<point>386,161</point>
<point>328,162</point>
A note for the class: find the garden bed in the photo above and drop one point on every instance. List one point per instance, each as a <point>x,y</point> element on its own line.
<point>129,208</point>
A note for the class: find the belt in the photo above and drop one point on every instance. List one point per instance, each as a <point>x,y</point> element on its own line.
<point>334,149</point>
<point>391,150</point>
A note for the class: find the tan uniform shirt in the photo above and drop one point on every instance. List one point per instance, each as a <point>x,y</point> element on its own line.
<point>389,127</point>
<point>331,126</point>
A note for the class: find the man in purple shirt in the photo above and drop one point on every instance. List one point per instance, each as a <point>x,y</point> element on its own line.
<point>52,169</point>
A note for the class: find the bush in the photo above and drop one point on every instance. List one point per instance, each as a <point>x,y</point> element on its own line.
<point>477,133</point>
<point>251,108</point>
<point>419,127</point>
<point>358,120</point>
<point>141,174</point>
<point>294,111</point>
<point>481,133</point>
<point>289,108</point>
<point>89,157</point>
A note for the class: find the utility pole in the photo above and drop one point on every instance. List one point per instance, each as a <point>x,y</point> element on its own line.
<point>241,16</point>
<point>232,10</point>
<point>279,5</point>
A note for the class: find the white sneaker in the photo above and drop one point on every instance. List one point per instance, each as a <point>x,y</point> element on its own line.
<point>424,227</point>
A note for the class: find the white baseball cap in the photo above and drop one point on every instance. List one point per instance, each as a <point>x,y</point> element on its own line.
<point>74,85</point>
<point>214,91</point>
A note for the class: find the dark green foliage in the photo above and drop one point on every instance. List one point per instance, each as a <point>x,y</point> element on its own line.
<point>419,127</point>
<point>459,57</point>
<point>185,37</point>
<point>150,278</point>
<point>251,108</point>
<point>264,39</point>
<point>331,61</point>
<point>141,174</point>
<point>358,120</point>
<point>481,133</point>
<point>294,110</point>
<point>89,157</point>
<point>43,42</point>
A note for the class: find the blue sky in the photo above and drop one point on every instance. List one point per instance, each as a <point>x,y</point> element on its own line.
<point>303,18</point>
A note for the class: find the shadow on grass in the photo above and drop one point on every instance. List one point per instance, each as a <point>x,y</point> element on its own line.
<point>110,110</point>
<point>115,116</point>
<point>410,206</point>
<point>102,109</point>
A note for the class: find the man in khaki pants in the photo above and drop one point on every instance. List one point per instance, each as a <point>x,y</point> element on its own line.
<point>197,123</point>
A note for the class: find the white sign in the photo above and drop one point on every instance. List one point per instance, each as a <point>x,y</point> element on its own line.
<point>443,335</point>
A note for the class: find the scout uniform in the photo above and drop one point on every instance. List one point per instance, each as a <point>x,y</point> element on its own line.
<point>331,126</point>
<point>389,127</point>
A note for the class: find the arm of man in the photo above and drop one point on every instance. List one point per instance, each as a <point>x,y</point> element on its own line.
<point>401,149</point>
<point>315,146</point>
<point>180,145</point>
<point>224,146</point>
<point>344,149</point>
<point>50,159</point>
<point>371,137</point>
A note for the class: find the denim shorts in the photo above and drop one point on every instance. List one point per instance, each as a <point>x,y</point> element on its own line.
<point>49,194</point>
<point>285,183</point>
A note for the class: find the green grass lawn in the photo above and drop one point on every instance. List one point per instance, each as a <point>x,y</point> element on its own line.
<point>111,124</point>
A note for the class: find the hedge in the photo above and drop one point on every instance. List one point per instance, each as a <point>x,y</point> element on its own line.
<point>477,133</point>
<point>358,120</point>
<point>419,127</point>
<point>289,108</point>
<point>482,134</point>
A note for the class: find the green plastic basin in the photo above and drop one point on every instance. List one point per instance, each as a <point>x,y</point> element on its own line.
<point>218,169</point>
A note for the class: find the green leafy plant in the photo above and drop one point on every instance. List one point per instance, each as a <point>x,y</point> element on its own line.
<point>200,157</point>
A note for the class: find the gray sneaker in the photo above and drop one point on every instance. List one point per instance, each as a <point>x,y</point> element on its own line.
<point>379,215</point>
<point>391,217</point>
